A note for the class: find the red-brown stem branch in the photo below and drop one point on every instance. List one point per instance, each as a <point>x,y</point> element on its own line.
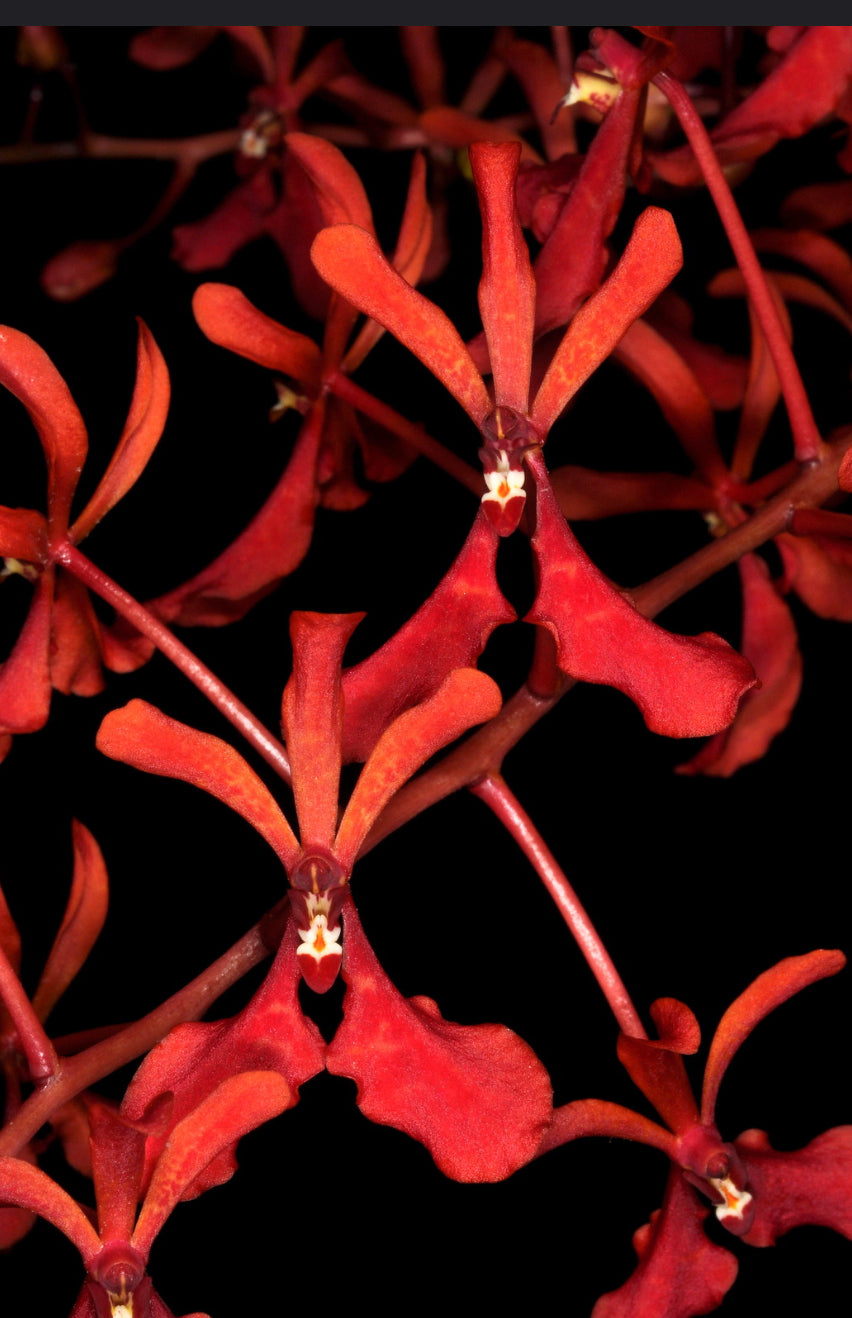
<point>806,437</point>
<point>102,147</point>
<point>494,791</point>
<point>819,521</point>
<point>198,673</point>
<point>87,1068</point>
<point>42,1061</point>
<point>349,392</point>
<point>483,753</point>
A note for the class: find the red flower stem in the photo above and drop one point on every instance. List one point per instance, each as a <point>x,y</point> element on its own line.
<point>806,438</point>
<point>42,1060</point>
<point>198,673</point>
<point>87,1068</point>
<point>494,791</point>
<point>484,751</point>
<point>192,150</point>
<point>349,392</point>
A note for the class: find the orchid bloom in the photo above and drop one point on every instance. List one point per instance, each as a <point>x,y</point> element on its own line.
<point>115,1249</point>
<point>475,1095</point>
<point>755,1192</point>
<point>62,643</point>
<point>684,686</point>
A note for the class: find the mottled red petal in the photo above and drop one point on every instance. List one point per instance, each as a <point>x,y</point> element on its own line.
<point>142,429</point>
<point>770,643</point>
<point>466,697</point>
<point>685,686</point>
<point>811,1187</point>
<point>680,1272</point>
<point>339,190</point>
<point>448,631</point>
<point>475,1095</point>
<point>761,997</point>
<point>651,260</point>
<point>507,287</point>
<point>28,373</point>
<point>312,719</point>
<point>140,735</point>
<point>25,676</point>
<point>350,260</point>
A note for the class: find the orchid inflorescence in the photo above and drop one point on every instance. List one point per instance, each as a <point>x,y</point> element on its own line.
<point>414,430</point>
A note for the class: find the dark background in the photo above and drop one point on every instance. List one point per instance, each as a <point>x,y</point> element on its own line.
<point>696,885</point>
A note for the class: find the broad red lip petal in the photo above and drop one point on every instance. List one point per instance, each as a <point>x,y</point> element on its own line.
<point>685,686</point>
<point>811,1187</point>
<point>475,1095</point>
<point>28,373</point>
<point>140,735</point>
<point>448,631</point>
<point>680,1272</point>
<point>228,318</point>
<point>350,260</point>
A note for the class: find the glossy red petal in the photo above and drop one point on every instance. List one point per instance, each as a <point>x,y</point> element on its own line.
<point>448,631</point>
<point>142,430</point>
<point>507,287</point>
<point>770,643</point>
<point>350,260</point>
<point>761,997</point>
<point>142,736</point>
<point>651,260</point>
<point>312,719</point>
<point>75,651</point>
<point>685,686</point>
<point>811,1187</point>
<point>271,547</point>
<point>680,1272</point>
<point>475,1095</point>
<point>466,697</point>
<point>237,1106</point>
<point>584,494</point>
<point>81,924</point>
<point>25,676</point>
<point>27,1187</point>
<point>28,373</point>
<point>228,318</point>
<point>240,218</point>
<point>819,569</point>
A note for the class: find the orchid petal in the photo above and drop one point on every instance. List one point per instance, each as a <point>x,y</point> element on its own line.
<point>770,643</point>
<point>761,997</point>
<point>656,1065</point>
<point>271,546</point>
<point>27,1187</point>
<point>142,430</point>
<point>451,127</point>
<point>312,719</point>
<point>28,373</point>
<point>339,191</point>
<point>822,255</point>
<point>535,69</point>
<point>507,287</point>
<point>350,260</point>
<point>811,1187</point>
<point>75,658</point>
<point>228,319</point>
<point>80,268</point>
<point>684,686</point>
<point>680,1272</point>
<point>466,697</point>
<point>10,938</point>
<point>819,569</point>
<point>23,535</point>
<point>448,631</point>
<point>25,676</point>
<point>593,1116</point>
<point>243,216</point>
<point>584,494</point>
<point>237,1106</point>
<point>165,48</point>
<point>82,922</point>
<point>142,736</point>
<point>118,1160</point>
<point>475,1095</point>
<point>651,260</point>
<point>820,205</point>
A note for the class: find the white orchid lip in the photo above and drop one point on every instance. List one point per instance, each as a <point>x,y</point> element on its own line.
<point>318,940</point>
<point>734,1202</point>
<point>505,482</point>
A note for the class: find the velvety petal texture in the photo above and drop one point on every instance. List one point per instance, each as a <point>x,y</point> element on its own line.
<point>811,1187</point>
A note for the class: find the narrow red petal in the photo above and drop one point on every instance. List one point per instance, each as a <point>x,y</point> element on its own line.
<point>350,260</point>
<point>312,719</point>
<point>819,570</point>
<point>811,1187</point>
<point>761,997</point>
<point>228,318</point>
<point>140,735</point>
<point>25,676</point>
<point>27,1187</point>
<point>242,216</point>
<point>685,686</point>
<point>75,657</point>
<point>118,1159</point>
<point>475,1095</point>
<point>142,430</point>
<point>507,287</point>
<point>339,190</point>
<point>82,922</point>
<point>22,535</point>
<point>448,631</point>
<point>651,260</point>
<point>465,698</point>
<point>164,48</point>
<point>594,1116</point>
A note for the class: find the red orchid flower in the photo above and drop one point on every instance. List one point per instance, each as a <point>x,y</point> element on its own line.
<point>62,643</point>
<point>681,684</point>
<point>475,1095</point>
<point>116,1248</point>
<point>756,1192</point>
<point>320,469</point>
